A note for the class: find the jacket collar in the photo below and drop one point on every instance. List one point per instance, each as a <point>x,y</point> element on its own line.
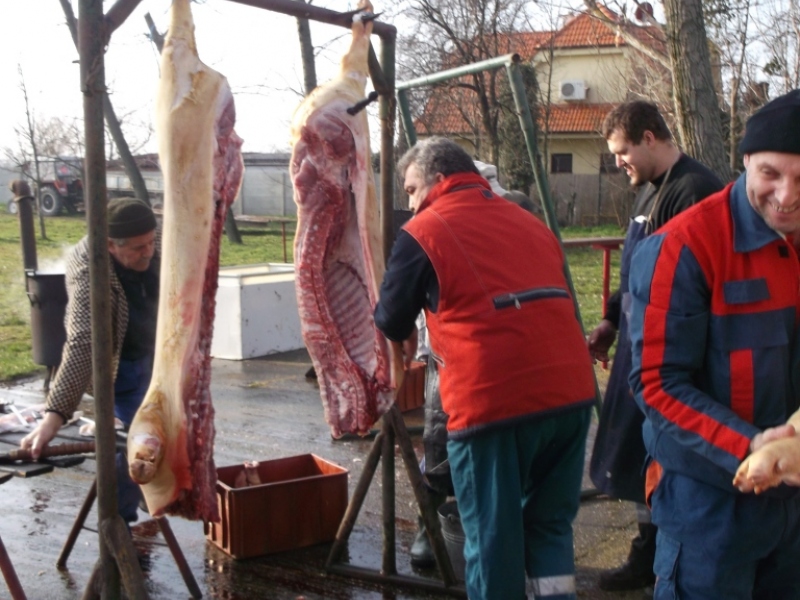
<point>750,231</point>
<point>448,184</point>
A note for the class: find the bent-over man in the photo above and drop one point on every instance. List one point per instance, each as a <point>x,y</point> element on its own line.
<point>134,273</point>
<point>515,375</point>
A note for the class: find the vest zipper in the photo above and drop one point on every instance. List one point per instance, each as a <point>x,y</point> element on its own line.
<point>517,298</point>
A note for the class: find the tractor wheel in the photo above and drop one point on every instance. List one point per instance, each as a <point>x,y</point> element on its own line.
<point>51,201</point>
<point>12,207</point>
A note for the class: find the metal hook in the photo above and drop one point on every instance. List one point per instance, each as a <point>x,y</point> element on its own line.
<point>362,104</point>
<point>366,17</point>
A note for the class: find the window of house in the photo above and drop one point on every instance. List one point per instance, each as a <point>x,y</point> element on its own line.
<point>608,163</point>
<point>561,163</point>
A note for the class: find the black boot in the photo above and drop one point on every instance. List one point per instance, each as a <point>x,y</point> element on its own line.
<point>637,571</point>
<point>421,550</point>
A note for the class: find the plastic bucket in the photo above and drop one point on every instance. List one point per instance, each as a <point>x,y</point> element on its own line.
<point>453,536</point>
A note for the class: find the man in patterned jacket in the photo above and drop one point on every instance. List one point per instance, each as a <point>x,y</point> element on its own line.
<point>716,363</point>
<point>134,300</point>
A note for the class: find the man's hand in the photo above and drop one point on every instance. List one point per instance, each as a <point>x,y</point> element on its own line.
<point>601,340</point>
<point>774,459</point>
<point>45,431</point>
<point>410,347</point>
<point>770,435</point>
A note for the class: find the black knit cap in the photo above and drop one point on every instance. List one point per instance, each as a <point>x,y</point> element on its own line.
<point>775,127</point>
<point>129,217</point>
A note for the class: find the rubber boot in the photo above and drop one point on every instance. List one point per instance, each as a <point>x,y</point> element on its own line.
<point>421,550</point>
<point>637,571</point>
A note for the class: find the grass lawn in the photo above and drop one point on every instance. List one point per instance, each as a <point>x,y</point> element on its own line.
<point>260,246</point>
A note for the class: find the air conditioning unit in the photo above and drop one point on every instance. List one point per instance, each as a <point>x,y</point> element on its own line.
<point>573,89</point>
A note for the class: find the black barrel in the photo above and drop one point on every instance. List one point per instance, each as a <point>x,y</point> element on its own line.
<point>48,295</point>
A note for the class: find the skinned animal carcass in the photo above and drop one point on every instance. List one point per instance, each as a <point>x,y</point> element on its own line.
<point>171,439</point>
<point>338,254</point>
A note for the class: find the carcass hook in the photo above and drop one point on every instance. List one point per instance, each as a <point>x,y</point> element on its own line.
<point>366,17</point>
<point>362,104</point>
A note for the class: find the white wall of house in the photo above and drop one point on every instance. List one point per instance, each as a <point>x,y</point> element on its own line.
<point>585,153</point>
<point>605,72</point>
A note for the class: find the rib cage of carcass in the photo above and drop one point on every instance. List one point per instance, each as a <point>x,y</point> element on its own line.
<point>170,442</point>
<point>339,261</point>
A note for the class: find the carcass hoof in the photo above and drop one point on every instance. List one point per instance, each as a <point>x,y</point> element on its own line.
<point>143,465</point>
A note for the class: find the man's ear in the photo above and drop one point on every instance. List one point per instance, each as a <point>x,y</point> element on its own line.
<point>439,178</point>
<point>648,137</point>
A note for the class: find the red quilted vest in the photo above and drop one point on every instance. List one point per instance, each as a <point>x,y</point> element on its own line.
<point>505,333</point>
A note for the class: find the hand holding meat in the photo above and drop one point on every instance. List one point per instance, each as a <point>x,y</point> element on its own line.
<point>45,431</point>
<point>775,459</point>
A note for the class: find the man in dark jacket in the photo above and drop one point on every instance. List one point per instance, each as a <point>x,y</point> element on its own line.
<point>515,376</point>
<point>669,182</point>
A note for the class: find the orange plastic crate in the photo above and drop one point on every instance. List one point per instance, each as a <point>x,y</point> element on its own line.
<point>300,502</point>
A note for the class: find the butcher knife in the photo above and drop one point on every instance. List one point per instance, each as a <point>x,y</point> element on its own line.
<point>48,451</point>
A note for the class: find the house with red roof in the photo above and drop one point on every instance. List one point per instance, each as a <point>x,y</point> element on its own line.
<point>583,69</point>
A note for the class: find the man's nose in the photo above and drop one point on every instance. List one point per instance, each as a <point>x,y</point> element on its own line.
<point>788,194</point>
<point>620,163</point>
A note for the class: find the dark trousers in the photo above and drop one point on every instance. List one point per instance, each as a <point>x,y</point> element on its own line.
<point>133,379</point>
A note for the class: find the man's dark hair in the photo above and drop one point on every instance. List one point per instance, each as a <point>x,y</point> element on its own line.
<point>633,119</point>
<point>437,155</point>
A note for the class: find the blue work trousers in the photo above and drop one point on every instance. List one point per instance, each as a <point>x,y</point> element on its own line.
<point>718,544</point>
<point>133,379</point>
<point>518,491</point>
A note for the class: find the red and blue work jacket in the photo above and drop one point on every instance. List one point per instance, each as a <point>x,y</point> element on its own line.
<point>716,355</point>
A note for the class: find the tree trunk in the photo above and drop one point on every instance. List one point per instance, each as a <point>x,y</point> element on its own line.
<point>307,56</point>
<point>128,162</point>
<point>697,112</point>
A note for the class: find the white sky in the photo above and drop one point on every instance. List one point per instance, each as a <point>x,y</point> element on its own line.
<point>255,49</point>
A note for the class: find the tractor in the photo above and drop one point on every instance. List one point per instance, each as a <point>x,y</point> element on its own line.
<point>61,184</point>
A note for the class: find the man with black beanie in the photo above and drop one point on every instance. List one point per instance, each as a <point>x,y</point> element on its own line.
<point>134,280</point>
<point>716,370</point>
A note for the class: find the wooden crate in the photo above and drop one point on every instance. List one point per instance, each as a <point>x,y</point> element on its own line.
<point>412,390</point>
<point>300,502</point>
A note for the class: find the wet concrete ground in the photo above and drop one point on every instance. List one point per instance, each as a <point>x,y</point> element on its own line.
<point>266,409</point>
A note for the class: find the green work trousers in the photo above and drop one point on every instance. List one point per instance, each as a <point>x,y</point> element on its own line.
<point>518,491</point>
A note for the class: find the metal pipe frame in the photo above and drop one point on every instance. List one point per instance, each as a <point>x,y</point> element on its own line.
<point>383,77</point>
<point>317,13</point>
<point>91,45</point>
<point>10,575</point>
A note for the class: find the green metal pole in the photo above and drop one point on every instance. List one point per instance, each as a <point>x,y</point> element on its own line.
<point>528,125</point>
<point>405,114</point>
<point>484,65</point>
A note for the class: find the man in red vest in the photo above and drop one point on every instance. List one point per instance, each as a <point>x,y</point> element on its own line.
<point>515,374</point>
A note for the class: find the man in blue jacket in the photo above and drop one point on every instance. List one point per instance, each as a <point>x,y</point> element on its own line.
<point>716,361</point>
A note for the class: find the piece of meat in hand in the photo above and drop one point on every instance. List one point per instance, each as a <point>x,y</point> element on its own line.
<point>774,463</point>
